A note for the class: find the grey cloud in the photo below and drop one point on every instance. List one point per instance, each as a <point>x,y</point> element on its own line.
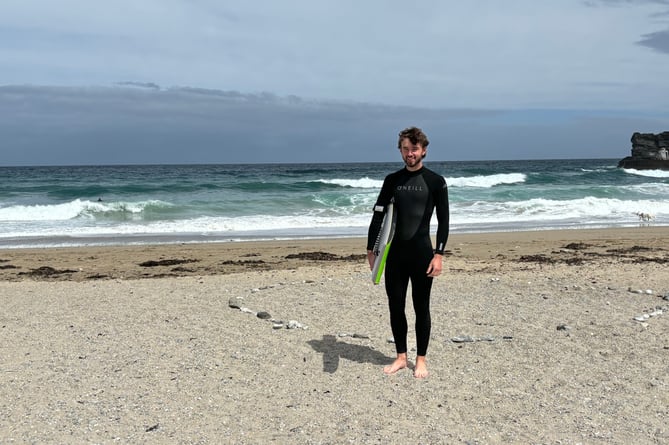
<point>289,48</point>
<point>149,85</point>
<point>144,123</point>
<point>618,2</point>
<point>659,41</point>
<point>140,124</point>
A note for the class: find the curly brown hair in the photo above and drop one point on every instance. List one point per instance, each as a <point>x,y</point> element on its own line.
<point>415,136</point>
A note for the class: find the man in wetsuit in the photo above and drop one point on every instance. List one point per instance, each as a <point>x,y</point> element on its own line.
<point>416,192</point>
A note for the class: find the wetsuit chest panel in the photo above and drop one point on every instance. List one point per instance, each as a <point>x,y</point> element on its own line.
<point>413,201</point>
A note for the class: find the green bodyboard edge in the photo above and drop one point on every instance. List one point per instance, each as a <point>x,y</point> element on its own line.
<point>382,266</point>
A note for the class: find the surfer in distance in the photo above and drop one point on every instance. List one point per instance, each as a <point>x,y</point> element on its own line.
<point>416,192</point>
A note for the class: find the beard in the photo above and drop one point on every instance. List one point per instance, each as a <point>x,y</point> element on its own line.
<point>412,161</point>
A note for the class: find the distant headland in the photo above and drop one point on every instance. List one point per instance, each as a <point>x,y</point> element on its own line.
<point>649,152</point>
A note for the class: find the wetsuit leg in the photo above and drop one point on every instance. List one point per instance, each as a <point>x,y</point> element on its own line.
<point>397,281</point>
<point>421,287</point>
<point>408,261</point>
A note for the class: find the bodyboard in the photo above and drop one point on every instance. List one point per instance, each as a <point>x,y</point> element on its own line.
<point>383,241</point>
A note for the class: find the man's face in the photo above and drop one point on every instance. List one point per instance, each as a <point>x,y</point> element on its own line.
<point>412,154</point>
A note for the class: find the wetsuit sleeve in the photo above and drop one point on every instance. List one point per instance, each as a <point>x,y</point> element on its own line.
<point>379,210</point>
<point>443,216</point>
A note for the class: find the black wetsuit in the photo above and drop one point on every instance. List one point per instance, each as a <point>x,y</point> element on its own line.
<point>416,195</point>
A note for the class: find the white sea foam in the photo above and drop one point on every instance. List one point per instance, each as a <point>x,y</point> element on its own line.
<point>650,188</point>
<point>206,226</point>
<point>465,216</point>
<point>363,183</point>
<point>613,211</point>
<point>480,181</point>
<point>487,181</point>
<point>648,173</point>
<point>52,212</point>
<point>73,209</point>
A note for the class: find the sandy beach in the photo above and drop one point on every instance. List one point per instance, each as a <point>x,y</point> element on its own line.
<point>550,337</point>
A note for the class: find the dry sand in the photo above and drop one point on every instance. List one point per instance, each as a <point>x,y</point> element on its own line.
<point>96,348</point>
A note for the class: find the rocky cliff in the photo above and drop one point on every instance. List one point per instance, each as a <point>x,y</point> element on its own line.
<point>649,151</point>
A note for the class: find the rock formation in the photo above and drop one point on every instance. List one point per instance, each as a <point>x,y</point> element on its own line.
<point>649,152</point>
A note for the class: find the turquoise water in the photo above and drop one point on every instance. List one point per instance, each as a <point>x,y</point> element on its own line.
<point>50,206</point>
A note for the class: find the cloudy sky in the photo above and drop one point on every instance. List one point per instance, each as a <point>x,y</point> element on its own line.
<point>198,81</point>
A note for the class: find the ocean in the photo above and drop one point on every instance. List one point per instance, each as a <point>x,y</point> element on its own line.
<point>141,204</point>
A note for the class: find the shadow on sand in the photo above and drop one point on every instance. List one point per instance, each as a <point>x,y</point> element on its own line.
<point>334,350</point>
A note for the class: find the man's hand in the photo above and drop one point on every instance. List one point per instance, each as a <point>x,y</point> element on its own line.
<point>434,269</point>
<point>370,259</point>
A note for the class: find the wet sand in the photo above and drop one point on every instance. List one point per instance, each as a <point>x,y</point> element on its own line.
<point>534,340</point>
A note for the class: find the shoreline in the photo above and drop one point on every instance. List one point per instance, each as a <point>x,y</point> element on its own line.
<point>102,241</point>
<point>201,259</point>
<point>537,337</point>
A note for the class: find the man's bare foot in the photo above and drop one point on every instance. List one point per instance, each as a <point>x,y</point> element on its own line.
<point>420,370</point>
<point>399,363</point>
